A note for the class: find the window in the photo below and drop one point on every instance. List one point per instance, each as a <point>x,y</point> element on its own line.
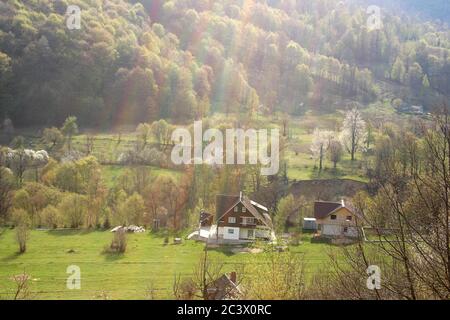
<point>244,209</point>
<point>345,229</point>
<point>349,218</point>
<point>230,231</point>
<point>333,217</point>
<point>248,220</point>
<point>231,220</point>
<point>236,209</point>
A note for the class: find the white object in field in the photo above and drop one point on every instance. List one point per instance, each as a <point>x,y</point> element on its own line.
<point>116,229</point>
<point>131,228</point>
<point>192,235</point>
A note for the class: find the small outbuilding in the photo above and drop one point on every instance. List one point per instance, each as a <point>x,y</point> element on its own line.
<point>206,219</point>
<point>309,224</point>
<point>225,287</point>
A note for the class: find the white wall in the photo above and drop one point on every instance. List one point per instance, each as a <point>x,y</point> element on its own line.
<point>337,230</point>
<point>259,233</point>
<point>352,232</point>
<point>242,233</point>
<point>331,230</point>
<point>230,236</point>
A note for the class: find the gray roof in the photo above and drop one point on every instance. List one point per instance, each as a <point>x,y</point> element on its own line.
<point>324,208</point>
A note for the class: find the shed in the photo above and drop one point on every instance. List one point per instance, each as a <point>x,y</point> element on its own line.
<point>206,219</point>
<point>309,224</point>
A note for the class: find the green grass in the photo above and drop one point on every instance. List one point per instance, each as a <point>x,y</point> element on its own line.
<point>112,172</point>
<point>147,261</point>
<point>300,166</point>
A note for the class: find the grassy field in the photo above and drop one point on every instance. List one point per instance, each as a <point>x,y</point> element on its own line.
<point>112,172</point>
<point>301,164</point>
<point>147,262</point>
<point>107,146</point>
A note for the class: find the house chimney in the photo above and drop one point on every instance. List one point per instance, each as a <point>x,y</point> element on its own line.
<point>233,277</point>
<point>240,196</point>
<point>342,203</point>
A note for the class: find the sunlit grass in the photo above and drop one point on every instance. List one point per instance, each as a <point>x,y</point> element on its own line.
<point>147,262</point>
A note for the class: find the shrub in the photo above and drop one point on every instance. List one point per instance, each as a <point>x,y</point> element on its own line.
<point>106,220</point>
<point>22,237</point>
<point>50,217</point>
<point>73,207</point>
<point>119,242</point>
<point>19,216</point>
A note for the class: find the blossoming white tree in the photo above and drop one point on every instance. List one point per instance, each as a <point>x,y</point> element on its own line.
<point>319,146</point>
<point>21,159</point>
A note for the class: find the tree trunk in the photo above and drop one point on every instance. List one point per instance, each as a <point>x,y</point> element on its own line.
<point>321,158</point>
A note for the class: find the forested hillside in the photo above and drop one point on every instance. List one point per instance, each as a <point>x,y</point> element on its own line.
<point>135,61</point>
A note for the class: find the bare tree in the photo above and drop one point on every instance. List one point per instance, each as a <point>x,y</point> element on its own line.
<point>184,289</point>
<point>409,216</point>
<point>143,132</point>
<point>353,133</point>
<point>335,152</point>
<point>89,143</point>
<point>206,273</point>
<point>22,290</point>
<point>151,291</point>
<point>53,137</point>
<point>285,123</point>
<point>203,283</point>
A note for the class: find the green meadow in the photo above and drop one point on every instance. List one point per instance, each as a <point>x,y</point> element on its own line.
<point>147,265</point>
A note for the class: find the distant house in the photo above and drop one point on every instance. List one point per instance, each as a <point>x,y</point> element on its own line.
<point>225,288</point>
<point>239,218</point>
<point>335,219</point>
<point>417,110</point>
<point>412,109</point>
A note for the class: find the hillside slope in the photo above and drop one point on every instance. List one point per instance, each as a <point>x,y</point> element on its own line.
<point>135,61</point>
